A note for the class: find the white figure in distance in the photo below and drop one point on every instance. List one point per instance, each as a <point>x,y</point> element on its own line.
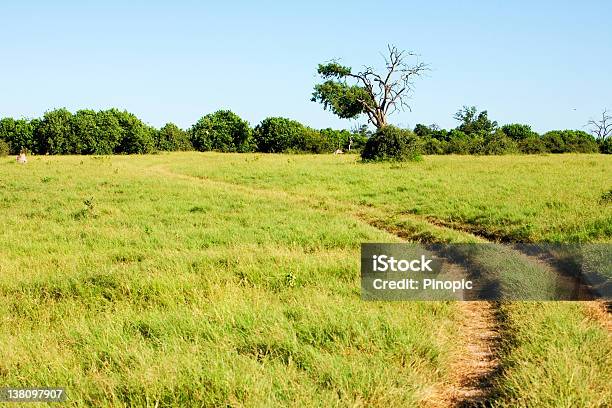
<point>21,158</point>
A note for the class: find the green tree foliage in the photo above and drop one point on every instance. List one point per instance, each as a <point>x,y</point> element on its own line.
<point>137,137</point>
<point>85,126</point>
<point>114,131</point>
<point>474,123</point>
<point>312,141</point>
<point>97,132</point>
<point>172,138</point>
<point>19,133</point>
<point>532,145</point>
<point>277,135</point>
<point>392,144</point>
<point>345,101</point>
<point>56,133</point>
<point>360,136</point>
<point>605,146</point>
<point>569,141</point>
<point>435,140</point>
<point>337,139</point>
<point>4,148</point>
<point>527,140</point>
<point>222,131</point>
<point>458,142</point>
<point>499,143</point>
<point>109,132</point>
<point>519,132</point>
<point>374,94</point>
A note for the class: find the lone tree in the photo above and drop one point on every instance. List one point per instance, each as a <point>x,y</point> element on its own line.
<point>375,94</point>
<point>601,128</point>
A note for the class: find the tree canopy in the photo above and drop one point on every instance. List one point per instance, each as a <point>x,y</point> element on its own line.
<point>377,95</point>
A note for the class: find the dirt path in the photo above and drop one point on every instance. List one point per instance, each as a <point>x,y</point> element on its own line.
<point>473,370</point>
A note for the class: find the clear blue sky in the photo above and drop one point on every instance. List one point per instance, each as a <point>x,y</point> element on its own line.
<point>546,63</point>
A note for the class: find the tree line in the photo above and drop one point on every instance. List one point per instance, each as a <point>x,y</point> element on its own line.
<point>348,94</point>
<point>114,131</point>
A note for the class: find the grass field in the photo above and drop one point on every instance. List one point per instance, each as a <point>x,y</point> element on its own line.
<point>233,279</point>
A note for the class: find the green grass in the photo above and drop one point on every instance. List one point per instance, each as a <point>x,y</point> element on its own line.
<point>519,198</point>
<point>216,279</point>
<point>554,357</point>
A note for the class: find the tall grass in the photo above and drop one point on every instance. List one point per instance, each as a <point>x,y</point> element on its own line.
<point>214,279</point>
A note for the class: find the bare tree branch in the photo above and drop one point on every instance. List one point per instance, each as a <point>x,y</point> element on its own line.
<point>601,128</point>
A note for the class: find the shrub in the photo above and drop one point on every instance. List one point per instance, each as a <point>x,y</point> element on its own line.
<point>499,143</point>
<point>570,141</point>
<point>434,146</point>
<point>222,131</point>
<point>580,142</point>
<point>109,132</point>
<point>313,141</point>
<point>172,138</point>
<point>137,137</point>
<point>431,131</point>
<point>277,135</point>
<point>459,143</point>
<point>518,132</point>
<point>85,127</point>
<point>532,145</point>
<point>477,143</point>
<point>605,146</point>
<point>392,144</point>
<point>359,137</point>
<point>56,133</point>
<point>4,148</point>
<point>19,134</point>
<point>474,123</point>
<point>332,139</point>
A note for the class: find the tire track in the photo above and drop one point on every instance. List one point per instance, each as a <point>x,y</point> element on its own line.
<point>477,363</point>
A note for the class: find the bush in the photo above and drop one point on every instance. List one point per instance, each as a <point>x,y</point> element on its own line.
<point>518,132</point>
<point>97,132</point>
<point>532,145</point>
<point>222,131</point>
<point>277,135</point>
<point>313,141</point>
<point>570,141</point>
<point>605,146</point>
<point>137,137</point>
<point>56,134</point>
<point>4,148</point>
<point>19,133</point>
<point>431,131</point>
<point>359,137</point>
<point>499,144</point>
<point>434,146</point>
<point>392,144</point>
<point>460,143</point>
<point>85,127</point>
<point>332,139</point>
<point>109,132</point>
<point>171,138</point>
